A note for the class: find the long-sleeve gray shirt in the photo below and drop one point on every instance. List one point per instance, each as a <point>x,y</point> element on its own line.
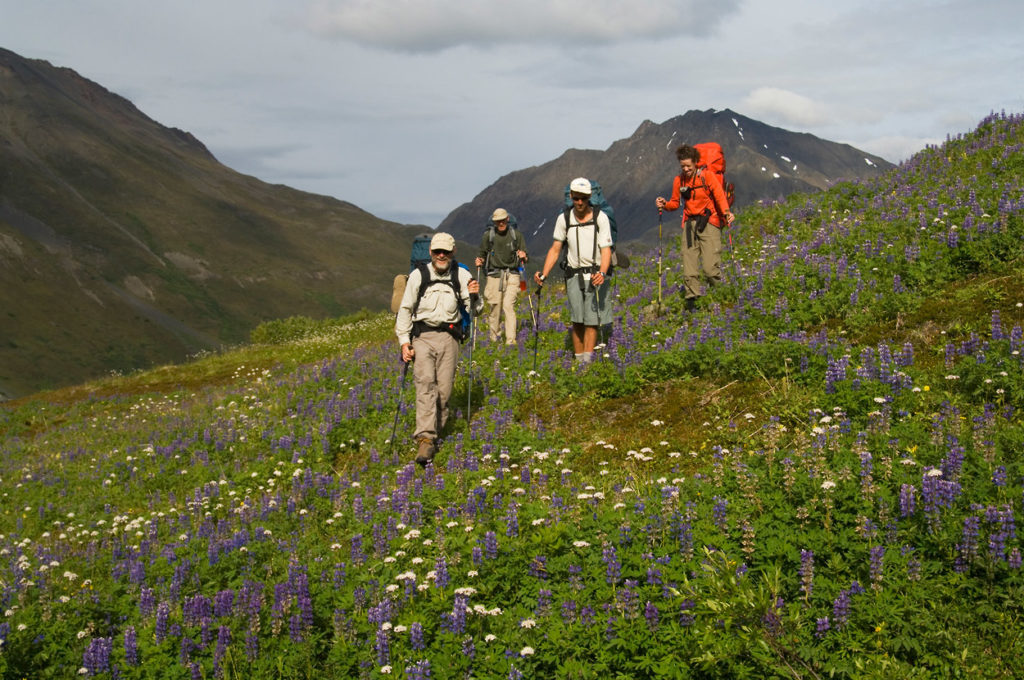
<point>438,305</point>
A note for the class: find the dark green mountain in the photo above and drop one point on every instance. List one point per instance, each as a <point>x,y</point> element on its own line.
<point>765,163</point>
<point>124,243</point>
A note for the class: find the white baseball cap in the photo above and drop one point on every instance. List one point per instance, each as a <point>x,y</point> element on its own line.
<point>580,185</point>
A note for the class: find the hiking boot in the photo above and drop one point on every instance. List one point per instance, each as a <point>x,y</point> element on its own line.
<point>425,451</point>
<point>690,304</point>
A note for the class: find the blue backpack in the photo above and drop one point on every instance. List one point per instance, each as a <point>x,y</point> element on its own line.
<point>420,253</point>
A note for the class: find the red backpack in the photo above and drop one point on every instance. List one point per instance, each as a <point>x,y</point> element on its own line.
<point>712,159</point>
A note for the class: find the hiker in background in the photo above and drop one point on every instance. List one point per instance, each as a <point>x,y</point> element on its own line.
<point>502,251</point>
<point>704,203</point>
<point>429,329</point>
<point>588,263</point>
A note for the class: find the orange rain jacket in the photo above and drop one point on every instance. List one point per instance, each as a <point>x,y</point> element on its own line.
<point>706,192</point>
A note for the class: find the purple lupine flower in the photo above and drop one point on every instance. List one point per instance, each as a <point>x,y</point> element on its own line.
<point>841,608</point>
<point>296,630</point>
<point>719,513</point>
<point>1014,558</point>
<point>147,601</point>
<point>163,613</point>
<point>686,618</point>
<point>629,599</point>
<point>416,636</point>
<point>997,325</point>
<point>543,602</point>
<point>875,565</point>
<point>512,520</point>
<point>575,577</point>
<point>907,500</point>
<point>999,476</point>
<point>441,578</point>
<point>96,658</point>
<point>684,535</point>
<point>822,627</point>
<point>252,646</point>
<point>954,460</point>
<point>418,671</point>
<point>223,640</point>
<point>131,646</point>
<point>223,603</point>
<point>382,646</point>
<point>806,572</point>
<point>651,615</point>
<point>569,608</point>
<point>613,568</point>
<point>357,555</point>
<point>771,620</point>
<point>539,567</point>
<point>491,545</point>
<point>967,549</point>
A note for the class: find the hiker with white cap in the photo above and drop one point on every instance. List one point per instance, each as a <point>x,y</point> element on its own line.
<point>589,260</point>
<point>429,329</point>
<point>502,253</point>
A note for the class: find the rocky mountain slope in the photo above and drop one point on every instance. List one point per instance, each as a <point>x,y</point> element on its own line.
<point>766,163</point>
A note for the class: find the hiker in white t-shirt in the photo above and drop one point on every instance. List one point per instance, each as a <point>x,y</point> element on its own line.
<point>589,242</point>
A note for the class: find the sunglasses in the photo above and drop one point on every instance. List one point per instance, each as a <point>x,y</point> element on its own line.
<point>581,198</point>
<point>446,253</point>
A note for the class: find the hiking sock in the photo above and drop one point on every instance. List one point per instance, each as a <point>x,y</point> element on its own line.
<point>586,357</point>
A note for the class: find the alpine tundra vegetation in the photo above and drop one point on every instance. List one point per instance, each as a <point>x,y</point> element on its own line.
<point>816,474</point>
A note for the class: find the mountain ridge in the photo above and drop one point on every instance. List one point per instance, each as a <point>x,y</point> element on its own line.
<point>634,170</point>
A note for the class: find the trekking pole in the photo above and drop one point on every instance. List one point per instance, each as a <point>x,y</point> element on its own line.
<point>401,393</point>
<point>536,329</point>
<point>469,370</point>
<point>474,321</point>
<point>533,312</point>
<point>659,261</point>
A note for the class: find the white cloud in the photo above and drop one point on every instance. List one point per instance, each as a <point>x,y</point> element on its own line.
<point>436,25</point>
<point>343,97</point>
<point>784,107</point>
<point>896,149</point>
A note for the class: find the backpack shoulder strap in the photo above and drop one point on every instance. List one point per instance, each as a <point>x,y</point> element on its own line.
<point>452,282</point>
<point>424,284</point>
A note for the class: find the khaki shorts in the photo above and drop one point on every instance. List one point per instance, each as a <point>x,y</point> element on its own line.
<point>590,307</point>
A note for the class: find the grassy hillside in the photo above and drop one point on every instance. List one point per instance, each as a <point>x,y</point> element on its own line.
<point>816,474</point>
<point>125,244</point>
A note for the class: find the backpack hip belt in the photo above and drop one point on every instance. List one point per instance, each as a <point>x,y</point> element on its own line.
<point>453,329</point>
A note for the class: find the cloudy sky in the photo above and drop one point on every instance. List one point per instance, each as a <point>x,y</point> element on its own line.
<point>409,108</point>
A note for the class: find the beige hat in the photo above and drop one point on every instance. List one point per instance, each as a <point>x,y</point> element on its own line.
<point>580,185</point>
<point>499,215</point>
<point>442,241</point>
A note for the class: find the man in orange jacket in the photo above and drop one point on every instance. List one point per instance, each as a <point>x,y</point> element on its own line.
<point>705,204</point>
